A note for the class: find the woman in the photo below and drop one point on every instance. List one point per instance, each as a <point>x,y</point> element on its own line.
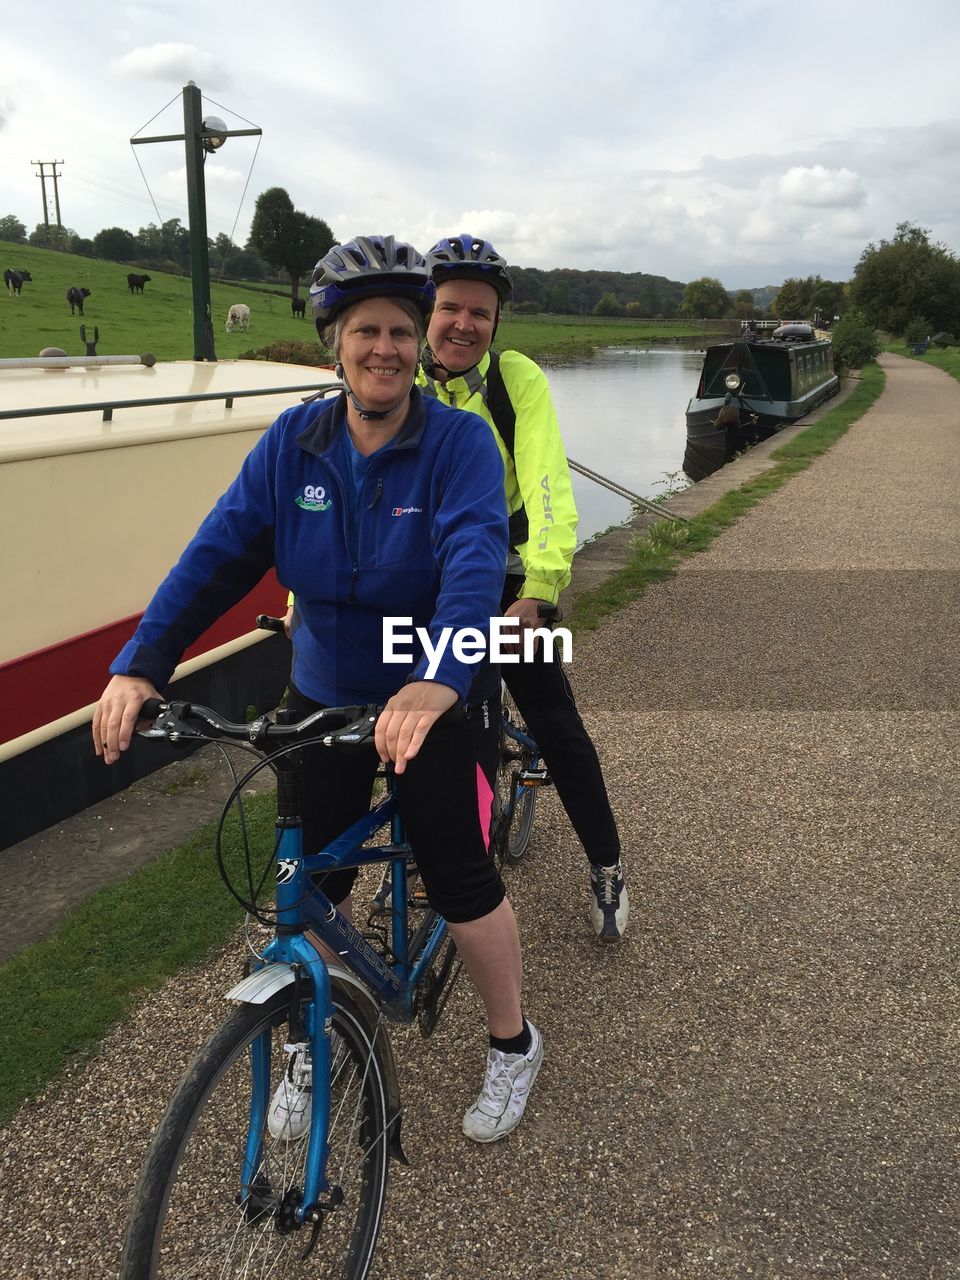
<point>377,504</point>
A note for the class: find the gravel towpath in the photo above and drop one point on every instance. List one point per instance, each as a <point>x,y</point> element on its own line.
<point>761,1081</point>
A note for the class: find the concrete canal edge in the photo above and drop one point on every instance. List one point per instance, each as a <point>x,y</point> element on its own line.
<point>110,841</point>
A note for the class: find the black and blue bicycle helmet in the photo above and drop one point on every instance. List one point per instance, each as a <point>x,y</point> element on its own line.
<point>469,258</point>
<point>369,267</point>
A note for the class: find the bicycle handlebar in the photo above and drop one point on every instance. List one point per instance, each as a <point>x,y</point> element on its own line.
<point>549,612</point>
<point>180,721</point>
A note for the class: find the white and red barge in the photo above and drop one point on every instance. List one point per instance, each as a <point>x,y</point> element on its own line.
<point>105,473</point>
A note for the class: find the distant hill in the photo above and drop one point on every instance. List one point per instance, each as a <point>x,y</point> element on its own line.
<point>763,297</point>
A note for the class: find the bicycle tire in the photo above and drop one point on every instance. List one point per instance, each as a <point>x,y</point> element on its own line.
<point>512,832</point>
<point>524,809</point>
<point>187,1221</point>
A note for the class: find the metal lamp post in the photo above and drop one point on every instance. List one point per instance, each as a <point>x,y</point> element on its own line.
<point>200,137</point>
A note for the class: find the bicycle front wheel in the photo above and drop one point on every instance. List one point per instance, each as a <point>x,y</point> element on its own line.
<point>189,1219</point>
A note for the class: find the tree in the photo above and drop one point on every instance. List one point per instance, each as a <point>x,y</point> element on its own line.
<point>704,299</point>
<point>918,330</point>
<point>557,300</point>
<point>800,298</point>
<point>855,341</point>
<point>116,244</point>
<point>11,228</point>
<point>743,306</point>
<point>793,299</point>
<point>287,238</point>
<point>827,297</point>
<point>46,237</point>
<point>905,277</point>
<point>608,305</point>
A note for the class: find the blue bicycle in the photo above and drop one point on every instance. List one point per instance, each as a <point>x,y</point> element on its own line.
<point>272,1156</point>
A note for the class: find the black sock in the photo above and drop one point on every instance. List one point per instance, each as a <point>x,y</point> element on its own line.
<point>514,1044</point>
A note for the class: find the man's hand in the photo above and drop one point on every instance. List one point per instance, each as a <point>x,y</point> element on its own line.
<point>117,713</point>
<point>526,611</point>
<point>407,719</point>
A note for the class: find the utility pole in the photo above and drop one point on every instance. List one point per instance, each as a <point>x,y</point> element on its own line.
<point>42,175</point>
<point>202,137</point>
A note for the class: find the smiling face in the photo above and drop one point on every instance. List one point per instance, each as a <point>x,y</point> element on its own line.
<point>461,328</point>
<point>379,349</point>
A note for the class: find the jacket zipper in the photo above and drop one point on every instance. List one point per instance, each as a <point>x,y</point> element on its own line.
<point>355,547</point>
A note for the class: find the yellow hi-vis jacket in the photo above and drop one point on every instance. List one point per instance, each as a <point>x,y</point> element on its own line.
<point>537,477</point>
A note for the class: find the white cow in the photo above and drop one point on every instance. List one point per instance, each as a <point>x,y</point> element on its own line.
<point>239,314</point>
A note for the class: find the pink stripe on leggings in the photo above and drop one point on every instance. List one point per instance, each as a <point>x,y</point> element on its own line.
<point>484,806</point>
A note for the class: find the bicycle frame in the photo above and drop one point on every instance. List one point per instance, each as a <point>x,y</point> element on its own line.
<point>523,739</point>
<point>301,905</point>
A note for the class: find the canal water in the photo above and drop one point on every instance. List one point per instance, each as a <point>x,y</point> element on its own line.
<point>621,413</point>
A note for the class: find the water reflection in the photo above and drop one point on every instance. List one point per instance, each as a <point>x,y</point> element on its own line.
<point>622,414</point>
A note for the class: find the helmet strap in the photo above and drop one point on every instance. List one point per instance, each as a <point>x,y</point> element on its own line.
<point>368,415</point>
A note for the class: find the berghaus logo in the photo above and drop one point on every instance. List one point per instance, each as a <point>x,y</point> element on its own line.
<point>314,498</point>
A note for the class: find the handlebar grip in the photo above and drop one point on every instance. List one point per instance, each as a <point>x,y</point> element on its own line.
<point>151,709</point>
<point>267,623</point>
<point>551,611</point>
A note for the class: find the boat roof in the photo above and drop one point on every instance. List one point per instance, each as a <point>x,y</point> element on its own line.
<point>46,412</point>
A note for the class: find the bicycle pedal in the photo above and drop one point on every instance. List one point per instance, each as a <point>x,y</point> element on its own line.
<point>535,778</point>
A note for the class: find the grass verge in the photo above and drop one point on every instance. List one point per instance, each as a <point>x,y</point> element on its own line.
<point>59,997</point>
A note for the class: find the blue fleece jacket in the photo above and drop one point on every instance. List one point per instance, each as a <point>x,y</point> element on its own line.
<point>426,540</point>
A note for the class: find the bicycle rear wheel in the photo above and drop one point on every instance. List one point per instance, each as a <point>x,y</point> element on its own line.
<point>189,1220</point>
<point>516,804</point>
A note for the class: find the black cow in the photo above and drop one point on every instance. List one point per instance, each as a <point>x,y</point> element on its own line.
<point>135,283</point>
<point>75,297</point>
<point>298,306</point>
<point>14,279</point>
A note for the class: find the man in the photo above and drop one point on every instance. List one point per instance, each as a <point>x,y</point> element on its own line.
<point>460,369</point>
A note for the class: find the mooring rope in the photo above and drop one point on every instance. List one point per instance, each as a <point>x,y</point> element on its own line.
<point>617,488</point>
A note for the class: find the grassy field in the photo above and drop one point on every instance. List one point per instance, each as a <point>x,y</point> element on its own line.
<point>161,319</point>
<point>158,320</point>
<point>60,996</point>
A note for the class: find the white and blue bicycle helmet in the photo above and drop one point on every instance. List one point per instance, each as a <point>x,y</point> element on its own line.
<point>369,267</point>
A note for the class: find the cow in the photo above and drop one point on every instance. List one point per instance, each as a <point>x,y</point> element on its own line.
<point>15,279</point>
<point>75,297</point>
<point>135,283</point>
<point>239,314</point>
<point>298,306</point>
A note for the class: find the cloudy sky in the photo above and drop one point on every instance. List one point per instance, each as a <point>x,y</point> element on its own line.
<point>744,139</point>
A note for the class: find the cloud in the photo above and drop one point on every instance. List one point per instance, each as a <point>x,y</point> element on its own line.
<point>176,62</point>
<point>213,176</point>
<point>822,187</point>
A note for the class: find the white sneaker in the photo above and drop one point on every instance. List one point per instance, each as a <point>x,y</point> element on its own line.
<point>610,906</point>
<point>289,1116</point>
<point>506,1086</point>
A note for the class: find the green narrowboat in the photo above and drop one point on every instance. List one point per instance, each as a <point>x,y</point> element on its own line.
<point>753,386</point>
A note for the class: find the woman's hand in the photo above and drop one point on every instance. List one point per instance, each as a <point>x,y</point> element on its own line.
<point>117,713</point>
<point>408,717</point>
